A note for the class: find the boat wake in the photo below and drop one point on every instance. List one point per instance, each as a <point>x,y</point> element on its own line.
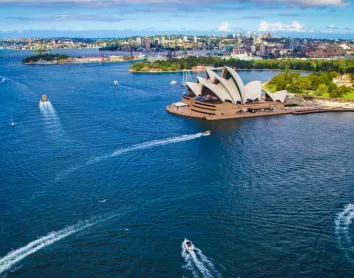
<point>140,146</point>
<point>198,263</point>
<point>51,117</point>
<point>342,224</point>
<point>19,254</point>
<point>3,79</point>
<point>47,108</point>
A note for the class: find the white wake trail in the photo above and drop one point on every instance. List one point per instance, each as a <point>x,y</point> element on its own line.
<point>342,223</point>
<point>202,268</point>
<point>51,117</point>
<point>189,264</point>
<point>19,254</point>
<point>205,259</point>
<point>140,146</point>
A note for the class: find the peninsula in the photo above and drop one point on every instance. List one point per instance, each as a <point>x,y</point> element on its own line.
<point>198,63</point>
<point>225,96</point>
<point>54,59</point>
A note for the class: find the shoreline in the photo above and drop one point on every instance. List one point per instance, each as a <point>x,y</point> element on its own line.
<point>197,71</point>
<point>189,114</point>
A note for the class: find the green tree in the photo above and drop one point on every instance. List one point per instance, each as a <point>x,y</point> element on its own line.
<point>321,90</point>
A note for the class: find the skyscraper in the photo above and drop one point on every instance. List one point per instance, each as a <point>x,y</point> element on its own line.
<point>138,41</point>
<point>185,39</point>
<point>292,43</point>
<point>146,43</point>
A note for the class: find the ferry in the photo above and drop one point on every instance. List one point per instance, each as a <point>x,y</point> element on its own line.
<point>44,98</point>
<point>188,245</point>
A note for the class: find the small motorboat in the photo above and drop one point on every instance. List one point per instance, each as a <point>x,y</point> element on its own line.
<point>173,82</point>
<point>188,245</point>
<point>207,132</point>
<point>12,122</point>
<point>44,98</point>
<point>116,82</point>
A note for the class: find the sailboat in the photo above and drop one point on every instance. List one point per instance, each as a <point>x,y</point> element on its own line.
<point>187,77</point>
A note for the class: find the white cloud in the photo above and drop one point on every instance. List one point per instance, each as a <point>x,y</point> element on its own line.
<point>315,2</point>
<point>295,26</point>
<point>225,27</point>
<point>202,2</point>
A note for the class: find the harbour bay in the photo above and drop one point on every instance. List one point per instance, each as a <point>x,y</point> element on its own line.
<point>262,197</point>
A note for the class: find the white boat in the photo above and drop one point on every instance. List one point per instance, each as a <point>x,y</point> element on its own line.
<point>12,122</point>
<point>173,82</point>
<point>115,82</point>
<point>188,245</point>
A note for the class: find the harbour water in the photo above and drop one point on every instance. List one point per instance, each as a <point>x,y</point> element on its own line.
<point>103,182</point>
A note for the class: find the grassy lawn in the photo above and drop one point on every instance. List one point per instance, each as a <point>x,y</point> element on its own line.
<point>350,95</point>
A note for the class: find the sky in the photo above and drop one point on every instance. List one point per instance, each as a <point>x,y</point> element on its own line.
<point>121,18</point>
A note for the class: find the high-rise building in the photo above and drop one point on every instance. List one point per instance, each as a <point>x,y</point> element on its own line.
<point>254,37</point>
<point>146,43</point>
<point>138,41</point>
<point>195,39</point>
<point>163,40</point>
<point>185,39</point>
<point>292,43</point>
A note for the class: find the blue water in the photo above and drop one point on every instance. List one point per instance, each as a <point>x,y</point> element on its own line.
<point>96,184</point>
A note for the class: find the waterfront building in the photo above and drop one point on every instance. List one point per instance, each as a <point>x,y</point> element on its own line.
<point>343,80</point>
<point>226,96</point>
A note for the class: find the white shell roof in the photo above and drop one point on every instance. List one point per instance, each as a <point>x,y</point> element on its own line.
<point>220,92</point>
<point>194,87</point>
<point>254,90</point>
<point>278,96</point>
<point>238,81</point>
<point>210,74</point>
<point>232,90</point>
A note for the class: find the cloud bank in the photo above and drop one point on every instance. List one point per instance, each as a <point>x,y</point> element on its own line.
<point>295,26</point>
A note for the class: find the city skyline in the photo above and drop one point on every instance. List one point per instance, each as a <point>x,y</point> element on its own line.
<point>98,18</point>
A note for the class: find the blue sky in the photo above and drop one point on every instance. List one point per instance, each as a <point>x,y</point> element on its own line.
<point>106,18</point>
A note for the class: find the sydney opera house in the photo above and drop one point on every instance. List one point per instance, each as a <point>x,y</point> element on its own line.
<point>226,96</point>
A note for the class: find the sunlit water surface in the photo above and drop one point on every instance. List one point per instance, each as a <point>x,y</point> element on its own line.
<point>102,182</point>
